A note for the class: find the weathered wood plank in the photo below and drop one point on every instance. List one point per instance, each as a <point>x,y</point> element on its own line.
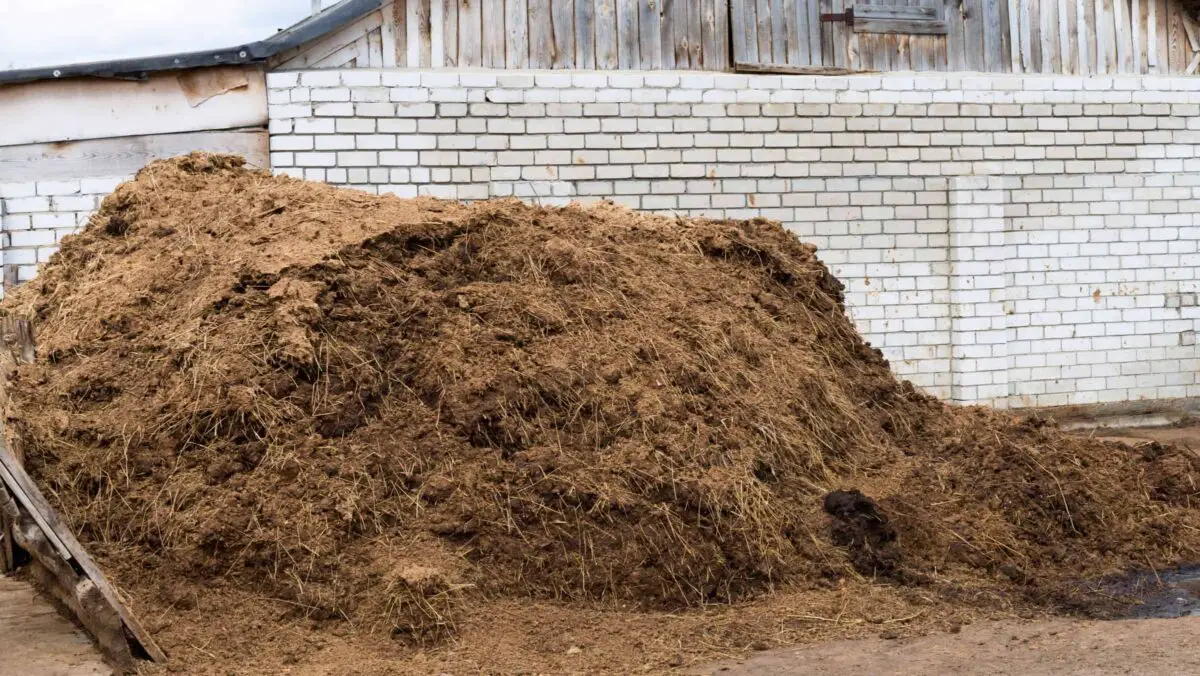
<point>123,156</point>
<point>720,39</point>
<point>585,34</point>
<point>450,32</point>
<point>425,32</point>
<point>437,34</point>
<point>470,33</point>
<point>493,33</point>
<point>779,46</point>
<point>900,26</point>
<point>1178,60</point>
<point>994,36</point>
<point>956,40</point>
<point>1100,15</point>
<point>1163,29</point>
<point>1065,53</point>
<point>786,69</point>
<point>1047,16</point>
<point>1014,40</point>
<point>695,36</point>
<point>714,38</point>
<point>1121,34</point>
<point>1136,21</point>
<point>541,34</point>
<point>650,30</point>
<point>1027,63</point>
<point>387,31</point>
<point>400,18</point>
<point>35,503</point>
<point>763,16</point>
<point>794,27</point>
<point>744,29</point>
<point>813,37</point>
<point>412,28</point>
<point>606,35</point>
<point>628,49</point>
<point>516,46</point>
<point>666,29</point>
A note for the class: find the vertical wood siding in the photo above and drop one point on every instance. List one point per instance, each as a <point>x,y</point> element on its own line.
<point>571,34</point>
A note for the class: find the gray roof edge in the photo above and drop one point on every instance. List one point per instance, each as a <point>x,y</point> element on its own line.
<point>304,31</point>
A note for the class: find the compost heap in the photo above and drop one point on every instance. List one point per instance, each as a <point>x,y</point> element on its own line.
<point>384,410</point>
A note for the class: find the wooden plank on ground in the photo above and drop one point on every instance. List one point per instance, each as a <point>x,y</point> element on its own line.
<point>585,34</point>
<point>650,31</point>
<point>516,46</point>
<point>31,499</point>
<point>628,53</point>
<point>492,44</point>
<point>606,35</point>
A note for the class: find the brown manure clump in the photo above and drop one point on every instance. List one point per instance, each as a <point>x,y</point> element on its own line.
<point>382,414</point>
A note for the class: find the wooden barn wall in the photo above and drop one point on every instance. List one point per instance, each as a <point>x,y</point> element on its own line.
<point>1096,37</point>
<point>1021,36</point>
<point>562,34</point>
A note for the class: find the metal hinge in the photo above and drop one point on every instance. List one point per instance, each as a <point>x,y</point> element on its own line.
<point>846,17</point>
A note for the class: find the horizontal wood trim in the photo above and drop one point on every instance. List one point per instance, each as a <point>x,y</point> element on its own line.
<point>900,26</point>
<point>123,156</point>
<point>74,110</point>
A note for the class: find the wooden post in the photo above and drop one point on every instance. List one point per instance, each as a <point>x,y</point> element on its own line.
<point>316,7</point>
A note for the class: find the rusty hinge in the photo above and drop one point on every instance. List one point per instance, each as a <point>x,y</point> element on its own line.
<point>846,17</point>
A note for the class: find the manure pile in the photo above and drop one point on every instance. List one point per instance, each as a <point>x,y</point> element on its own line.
<point>383,413</point>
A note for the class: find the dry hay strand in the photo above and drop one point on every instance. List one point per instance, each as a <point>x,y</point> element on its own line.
<point>284,388</point>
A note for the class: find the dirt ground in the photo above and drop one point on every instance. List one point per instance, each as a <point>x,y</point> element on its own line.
<point>1051,647</point>
<point>36,641</point>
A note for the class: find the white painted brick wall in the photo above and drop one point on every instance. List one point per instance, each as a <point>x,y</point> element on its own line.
<point>34,217</point>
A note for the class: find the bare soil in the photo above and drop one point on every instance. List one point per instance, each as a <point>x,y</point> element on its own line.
<point>295,423</point>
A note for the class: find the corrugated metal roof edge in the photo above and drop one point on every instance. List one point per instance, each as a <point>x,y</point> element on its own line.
<point>256,52</point>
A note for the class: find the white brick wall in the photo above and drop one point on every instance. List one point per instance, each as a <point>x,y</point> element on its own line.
<point>35,216</point>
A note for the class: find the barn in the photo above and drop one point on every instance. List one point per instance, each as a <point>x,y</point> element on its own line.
<point>1007,187</point>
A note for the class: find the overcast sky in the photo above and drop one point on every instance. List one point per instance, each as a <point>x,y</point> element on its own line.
<point>54,32</point>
